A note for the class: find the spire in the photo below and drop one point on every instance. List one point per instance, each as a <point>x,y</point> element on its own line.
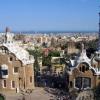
<point>99,25</point>
<point>83,51</point>
<point>83,56</point>
<point>99,34</point>
<point>83,47</point>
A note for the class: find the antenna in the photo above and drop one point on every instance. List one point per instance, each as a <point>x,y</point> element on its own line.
<point>99,32</point>
<point>99,25</point>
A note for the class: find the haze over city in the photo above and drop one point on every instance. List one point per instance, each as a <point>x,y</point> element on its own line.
<point>49,15</point>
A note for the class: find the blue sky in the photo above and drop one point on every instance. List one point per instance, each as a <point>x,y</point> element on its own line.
<point>46,15</point>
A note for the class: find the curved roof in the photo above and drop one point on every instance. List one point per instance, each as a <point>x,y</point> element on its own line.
<point>20,53</point>
<point>84,59</point>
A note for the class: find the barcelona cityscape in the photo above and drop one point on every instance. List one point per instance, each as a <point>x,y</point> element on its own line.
<point>50,50</point>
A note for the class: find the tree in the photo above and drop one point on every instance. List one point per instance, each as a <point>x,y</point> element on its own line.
<point>92,44</point>
<point>46,61</point>
<point>36,53</point>
<point>97,92</point>
<point>78,45</point>
<point>54,53</point>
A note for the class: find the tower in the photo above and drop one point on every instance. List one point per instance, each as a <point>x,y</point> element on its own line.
<point>99,35</point>
<point>71,47</point>
<point>8,36</point>
<point>97,58</point>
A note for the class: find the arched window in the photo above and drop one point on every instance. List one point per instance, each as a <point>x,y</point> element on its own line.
<point>83,68</point>
<point>11,59</point>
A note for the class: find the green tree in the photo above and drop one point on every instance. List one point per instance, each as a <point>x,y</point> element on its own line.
<point>36,53</point>
<point>54,53</point>
<point>46,61</point>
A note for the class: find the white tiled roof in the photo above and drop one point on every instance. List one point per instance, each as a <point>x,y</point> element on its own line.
<point>20,53</point>
<point>83,57</point>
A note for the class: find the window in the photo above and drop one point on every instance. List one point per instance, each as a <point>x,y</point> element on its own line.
<point>13,84</point>
<point>86,82</point>
<point>83,68</point>
<point>78,82</point>
<point>4,83</point>
<point>4,73</point>
<point>30,79</point>
<point>71,84</point>
<point>11,59</point>
<point>16,69</point>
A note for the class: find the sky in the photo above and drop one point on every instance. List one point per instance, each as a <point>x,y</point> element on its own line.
<point>49,15</point>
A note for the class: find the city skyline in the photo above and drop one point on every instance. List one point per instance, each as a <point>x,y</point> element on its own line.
<point>49,15</point>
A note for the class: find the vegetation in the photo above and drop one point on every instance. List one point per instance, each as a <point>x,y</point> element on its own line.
<point>78,45</point>
<point>36,53</point>
<point>97,92</point>
<point>92,44</point>
<point>46,61</point>
<point>2,97</point>
<point>54,53</point>
<point>88,44</point>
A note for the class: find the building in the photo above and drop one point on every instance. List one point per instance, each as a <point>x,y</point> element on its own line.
<point>84,73</point>
<point>57,65</point>
<point>16,66</point>
<point>71,49</point>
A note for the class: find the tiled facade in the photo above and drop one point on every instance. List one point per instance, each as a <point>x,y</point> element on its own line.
<point>84,72</point>
<point>13,74</point>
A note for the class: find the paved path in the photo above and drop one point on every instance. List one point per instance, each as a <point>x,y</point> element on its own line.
<point>37,94</point>
<point>85,95</point>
